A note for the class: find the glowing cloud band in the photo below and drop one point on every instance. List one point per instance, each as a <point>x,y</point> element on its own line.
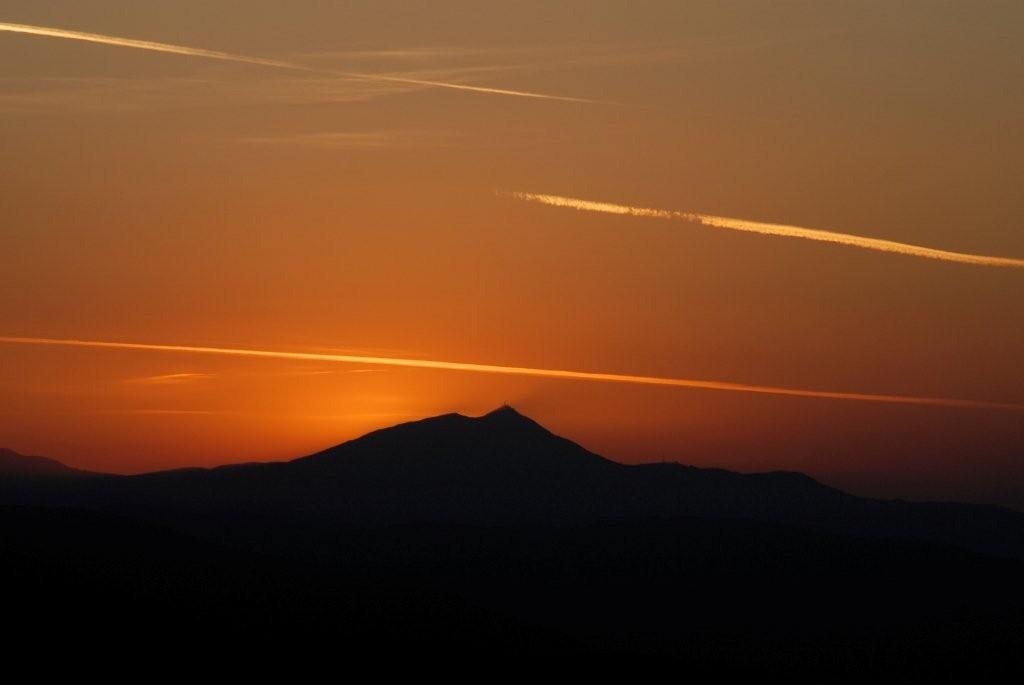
<point>770,229</point>
<point>278,64</point>
<point>522,371</point>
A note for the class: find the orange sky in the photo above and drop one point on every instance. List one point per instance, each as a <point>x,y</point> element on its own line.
<point>170,199</point>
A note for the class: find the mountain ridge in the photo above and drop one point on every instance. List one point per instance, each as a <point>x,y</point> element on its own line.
<point>15,464</point>
<point>504,469</point>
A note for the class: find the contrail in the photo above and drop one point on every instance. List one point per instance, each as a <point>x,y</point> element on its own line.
<point>522,371</point>
<point>260,61</point>
<point>771,229</point>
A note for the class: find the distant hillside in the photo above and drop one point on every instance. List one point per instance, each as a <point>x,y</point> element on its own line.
<point>20,465</point>
<point>503,469</point>
<point>489,540</point>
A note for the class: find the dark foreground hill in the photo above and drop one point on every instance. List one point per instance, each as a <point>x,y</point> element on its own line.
<point>460,538</point>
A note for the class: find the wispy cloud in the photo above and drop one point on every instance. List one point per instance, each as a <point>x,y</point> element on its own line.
<point>188,378</point>
<point>560,56</point>
<point>354,416</point>
<point>556,374</point>
<point>154,46</point>
<point>304,372</point>
<point>170,412</point>
<point>347,140</point>
<point>782,230</point>
<point>172,378</point>
<point>213,88</point>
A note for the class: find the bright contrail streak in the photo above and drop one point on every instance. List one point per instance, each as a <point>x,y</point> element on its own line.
<point>230,57</point>
<point>771,229</point>
<point>521,371</point>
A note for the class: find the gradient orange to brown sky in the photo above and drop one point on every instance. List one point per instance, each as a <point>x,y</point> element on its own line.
<point>170,199</point>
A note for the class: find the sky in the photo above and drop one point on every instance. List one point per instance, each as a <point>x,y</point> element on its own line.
<point>350,187</point>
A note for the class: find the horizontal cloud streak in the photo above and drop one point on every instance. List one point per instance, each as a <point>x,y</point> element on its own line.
<point>340,140</point>
<point>172,412</point>
<point>172,378</point>
<point>783,230</point>
<point>143,45</point>
<point>521,371</point>
<point>217,87</point>
<point>154,46</point>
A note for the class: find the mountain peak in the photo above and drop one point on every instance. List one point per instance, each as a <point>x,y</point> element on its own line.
<point>451,445</point>
<point>505,412</point>
<point>506,418</point>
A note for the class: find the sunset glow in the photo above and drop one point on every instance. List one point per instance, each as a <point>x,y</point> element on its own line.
<point>514,371</point>
<point>731,233</point>
<point>576,332</point>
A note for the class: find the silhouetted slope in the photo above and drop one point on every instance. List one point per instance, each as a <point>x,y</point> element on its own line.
<point>17,465</point>
<point>501,468</point>
<point>492,539</point>
<point>503,440</point>
<point>504,469</point>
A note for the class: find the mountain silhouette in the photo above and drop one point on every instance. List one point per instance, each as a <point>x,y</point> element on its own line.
<point>505,469</point>
<point>491,540</point>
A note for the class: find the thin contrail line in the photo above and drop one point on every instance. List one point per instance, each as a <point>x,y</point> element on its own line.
<point>522,371</point>
<point>771,229</point>
<point>260,61</point>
